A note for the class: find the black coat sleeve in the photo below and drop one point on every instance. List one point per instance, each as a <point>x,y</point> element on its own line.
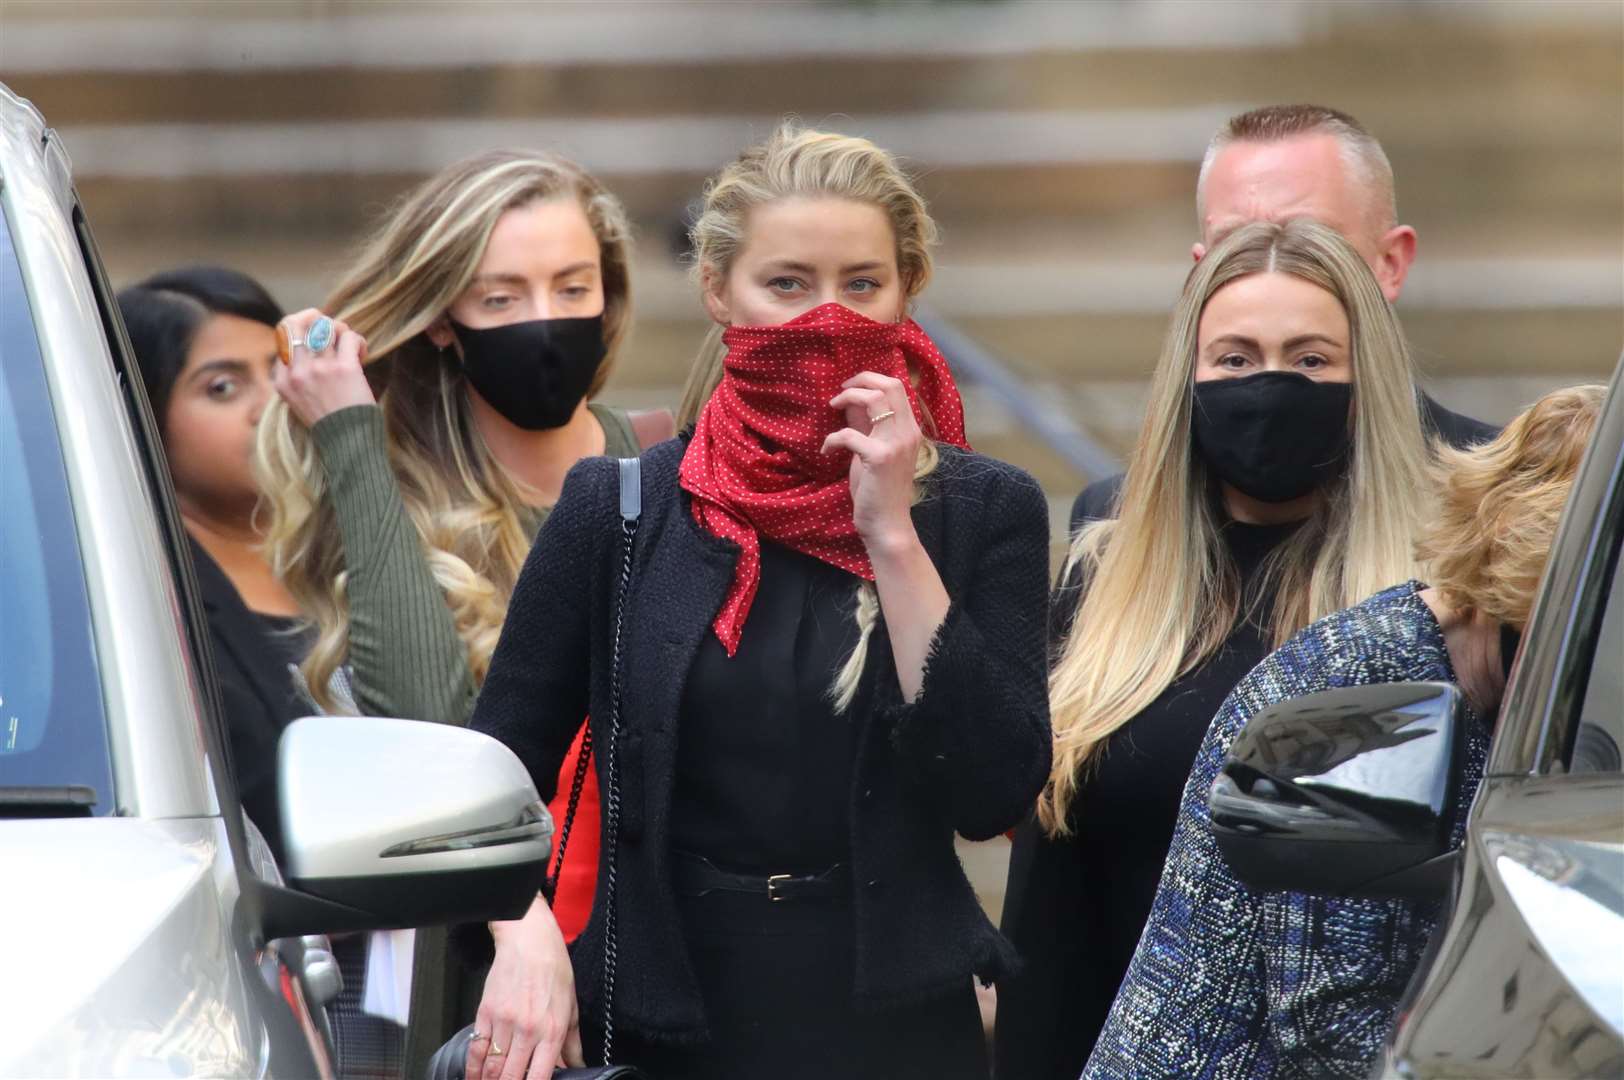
<point>1041,1033</point>
<point>536,694</point>
<point>978,733</point>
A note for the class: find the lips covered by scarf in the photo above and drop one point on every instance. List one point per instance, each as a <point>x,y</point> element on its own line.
<point>755,466</point>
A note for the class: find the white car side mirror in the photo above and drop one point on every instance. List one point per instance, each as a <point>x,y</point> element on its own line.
<point>398,823</point>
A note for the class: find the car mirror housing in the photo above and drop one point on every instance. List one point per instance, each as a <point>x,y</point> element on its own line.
<point>1345,792</point>
<point>395,823</point>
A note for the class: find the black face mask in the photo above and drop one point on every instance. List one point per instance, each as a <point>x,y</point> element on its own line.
<point>1510,639</point>
<point>534,373</point>
<point>1275,436</point>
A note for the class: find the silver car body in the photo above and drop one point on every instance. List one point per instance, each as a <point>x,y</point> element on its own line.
<point>124,951</point>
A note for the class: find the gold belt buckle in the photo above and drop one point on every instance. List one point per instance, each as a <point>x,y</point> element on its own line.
<point>772,886</point>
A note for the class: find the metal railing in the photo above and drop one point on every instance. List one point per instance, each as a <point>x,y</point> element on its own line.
<point>1039,413</point>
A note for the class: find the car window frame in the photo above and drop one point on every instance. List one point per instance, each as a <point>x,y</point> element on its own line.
<point>1545,697</point>
<point>161,494</point>
<point>29,353</point>
<point>1612,607</point>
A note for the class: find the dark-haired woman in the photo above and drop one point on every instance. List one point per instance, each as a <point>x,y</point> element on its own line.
<point>205,339</point>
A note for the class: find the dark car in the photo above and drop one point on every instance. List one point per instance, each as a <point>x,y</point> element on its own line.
<point>1348,792</point>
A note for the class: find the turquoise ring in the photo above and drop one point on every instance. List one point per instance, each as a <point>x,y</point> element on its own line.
<point>319,336</point>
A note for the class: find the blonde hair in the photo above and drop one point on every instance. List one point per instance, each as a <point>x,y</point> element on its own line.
<point>1361,152</point>
<point>1498,504</point>
<point>798,162</point>
<point>463,503</point>
<point>1160,593</point>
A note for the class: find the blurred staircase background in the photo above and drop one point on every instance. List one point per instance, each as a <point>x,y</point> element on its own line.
<point>1057,142</point>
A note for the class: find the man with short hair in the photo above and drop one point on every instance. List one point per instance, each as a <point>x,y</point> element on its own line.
<point>1270,164</point>
<point>1288,161</point>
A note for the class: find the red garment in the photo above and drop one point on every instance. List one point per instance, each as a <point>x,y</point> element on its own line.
<point>578,879</point>
<point>755,465</point>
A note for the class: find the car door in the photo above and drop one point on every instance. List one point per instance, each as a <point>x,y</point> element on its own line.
<point>1526,979</point>
<point>299,1042</point>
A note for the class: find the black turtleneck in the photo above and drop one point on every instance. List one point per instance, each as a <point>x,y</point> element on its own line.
<point>1075,907</point>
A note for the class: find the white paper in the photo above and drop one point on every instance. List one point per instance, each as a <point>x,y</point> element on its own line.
<point>388,990</point>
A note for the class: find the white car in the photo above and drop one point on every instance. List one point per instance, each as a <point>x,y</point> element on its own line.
<point>145,930</point>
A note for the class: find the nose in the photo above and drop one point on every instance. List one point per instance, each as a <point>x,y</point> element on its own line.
<point>544,304</point>
<point>262,393</point>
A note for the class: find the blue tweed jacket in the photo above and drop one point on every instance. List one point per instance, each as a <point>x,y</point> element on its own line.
<point>1228,982</point>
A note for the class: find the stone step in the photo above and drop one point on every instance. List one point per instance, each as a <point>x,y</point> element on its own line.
<point>566,60</point>
<point>1545,202</point>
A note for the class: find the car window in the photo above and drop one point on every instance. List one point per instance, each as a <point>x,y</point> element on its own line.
<point>54,756</point>
<point>1595,745</point>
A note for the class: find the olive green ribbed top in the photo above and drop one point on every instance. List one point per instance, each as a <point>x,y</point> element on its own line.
<point>405,656</point>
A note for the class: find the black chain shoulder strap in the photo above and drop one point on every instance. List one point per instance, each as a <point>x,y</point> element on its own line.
<point>631,505</point>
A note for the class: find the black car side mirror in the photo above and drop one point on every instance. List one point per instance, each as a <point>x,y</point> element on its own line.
<point>1345,792</point>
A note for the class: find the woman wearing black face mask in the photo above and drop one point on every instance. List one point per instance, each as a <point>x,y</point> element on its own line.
<point>1279,475</point>
<point>1309,983</point>
<point>403,496</point>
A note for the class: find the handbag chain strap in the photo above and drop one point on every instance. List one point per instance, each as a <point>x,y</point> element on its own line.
<point>582,765</point>
<point>630,512</point>
<point>628,532</point>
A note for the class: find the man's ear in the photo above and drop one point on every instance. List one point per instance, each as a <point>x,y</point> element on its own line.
<point>439,332</point>
<point>1393,260</point>
<point>1198,251</point>
<point>710,287</point>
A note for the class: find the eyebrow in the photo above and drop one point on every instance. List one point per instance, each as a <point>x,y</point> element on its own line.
<point>230,364</point>
<point>519,280</point>
<point>498,279</point>
<point>1289,343</point>
<point>806,268</point>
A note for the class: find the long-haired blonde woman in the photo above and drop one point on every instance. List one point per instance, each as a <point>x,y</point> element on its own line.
<point>1229,981</point>
<point>834,658</point>
<point>404,495</point>
<point>1279,475</point>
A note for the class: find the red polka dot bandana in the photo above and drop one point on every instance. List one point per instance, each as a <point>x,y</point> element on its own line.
<point>755,466</point>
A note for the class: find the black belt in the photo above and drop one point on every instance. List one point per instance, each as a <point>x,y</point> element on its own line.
<point>695,875</point>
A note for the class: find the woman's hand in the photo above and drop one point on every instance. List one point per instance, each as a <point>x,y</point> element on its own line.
<point>528,1010</point>
<point>316,384</point>
<point>884,439</point>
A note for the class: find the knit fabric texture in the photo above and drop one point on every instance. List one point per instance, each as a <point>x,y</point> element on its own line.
<point>1230,983</point>
<point>756,467</point>
<point>968,755</point>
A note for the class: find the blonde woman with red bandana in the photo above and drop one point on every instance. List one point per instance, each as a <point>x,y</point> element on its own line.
<point>833,660</point>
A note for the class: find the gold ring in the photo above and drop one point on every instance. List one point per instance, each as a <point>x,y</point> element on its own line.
<point>886,415</point>
<point>496,1051</point>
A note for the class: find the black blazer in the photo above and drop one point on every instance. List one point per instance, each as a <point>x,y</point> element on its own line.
<point>968,756</point>
<point>256,688</point>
